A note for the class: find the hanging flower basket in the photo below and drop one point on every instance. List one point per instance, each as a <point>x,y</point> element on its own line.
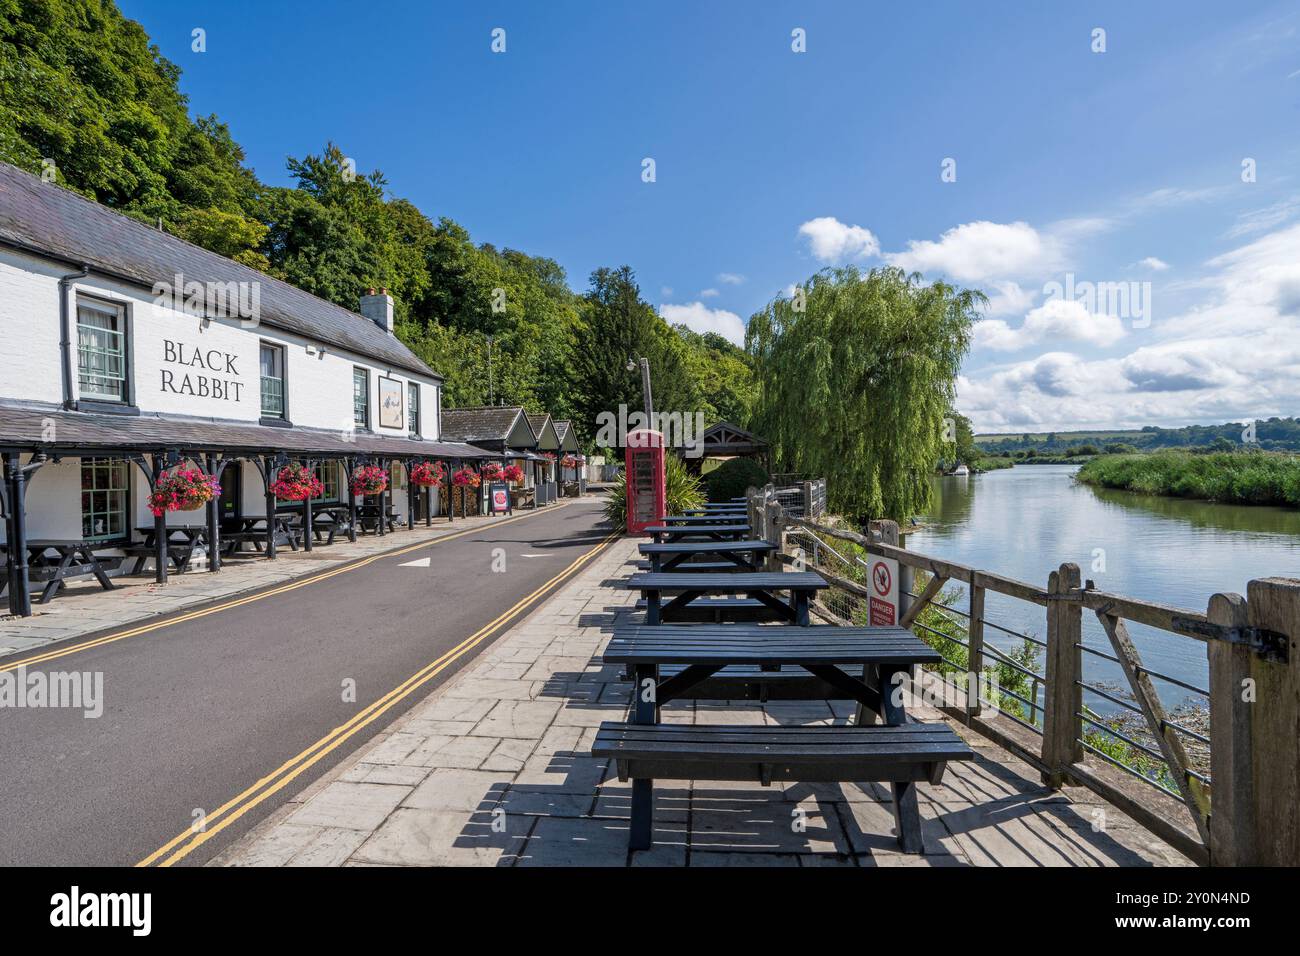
<point>571,461</point>
<point>512,473</point>
<point>466,478</point>
<point>369,480</point>
<point>548,455</point>
<point>296,483</point>
<point>186,489</point>
<point>428,474</point>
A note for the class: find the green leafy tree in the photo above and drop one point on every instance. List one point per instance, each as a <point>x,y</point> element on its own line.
<point>855,386</point>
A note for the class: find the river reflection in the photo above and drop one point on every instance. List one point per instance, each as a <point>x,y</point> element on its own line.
<point>1025,521</point>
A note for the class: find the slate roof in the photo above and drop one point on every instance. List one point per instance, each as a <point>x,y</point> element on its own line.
<point>481,423</point>
<point>47,219</point>
<point>52,429</point>
<point>568,437</point>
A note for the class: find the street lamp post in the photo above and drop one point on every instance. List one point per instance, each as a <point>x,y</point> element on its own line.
<point>645,388</point>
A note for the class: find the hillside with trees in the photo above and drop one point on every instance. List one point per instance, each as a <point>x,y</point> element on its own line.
<point>87,98</point>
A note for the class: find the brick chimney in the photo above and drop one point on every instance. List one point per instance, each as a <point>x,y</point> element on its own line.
<point>378,308</point>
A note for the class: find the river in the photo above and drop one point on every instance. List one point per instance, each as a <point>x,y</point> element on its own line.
<point>1025,521</point>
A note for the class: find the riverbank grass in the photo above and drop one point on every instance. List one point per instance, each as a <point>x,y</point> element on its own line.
<point>1248,478</point>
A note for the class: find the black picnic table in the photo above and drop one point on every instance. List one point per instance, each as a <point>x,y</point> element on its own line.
<point>756,585</point>
<point>251,529</point>
<point>727,510</point>
<point>182,541</point>
<point>718,532</point>
<point>73,558</point>
<point>881,655</point>
<point>709,519</point>
<point>327,520</point>
<point>368,518</point>
<point>675,555</point>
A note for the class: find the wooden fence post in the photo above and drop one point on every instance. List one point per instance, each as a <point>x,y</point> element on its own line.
<point>774,528</point>
<point>1232,806</point>
<point>1063,695</point>
<point>974,648</point>
<point>808,513</point>
<point>1274,604</point>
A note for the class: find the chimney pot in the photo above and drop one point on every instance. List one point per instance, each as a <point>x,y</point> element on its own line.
<point>378,308</point>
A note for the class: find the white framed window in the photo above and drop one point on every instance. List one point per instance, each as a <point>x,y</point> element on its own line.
<point>413,408</point>
<point>101,352</point>
<point>361,397</point>
<point>105,498</point>
<point>272,368</point>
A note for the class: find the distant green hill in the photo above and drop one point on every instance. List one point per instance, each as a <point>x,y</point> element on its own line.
<point>1274,434</point>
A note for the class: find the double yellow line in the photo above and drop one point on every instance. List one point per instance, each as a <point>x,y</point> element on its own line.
<point>186,842</point>
<point>240,602</point>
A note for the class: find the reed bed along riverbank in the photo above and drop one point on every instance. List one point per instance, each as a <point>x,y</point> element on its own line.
<point>1247,478</point>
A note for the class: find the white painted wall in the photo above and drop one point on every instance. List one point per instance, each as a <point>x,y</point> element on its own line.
<point>170,352</point>
<point>318,380</point>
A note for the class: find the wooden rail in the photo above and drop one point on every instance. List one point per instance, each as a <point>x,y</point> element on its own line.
<point>1245,811</point>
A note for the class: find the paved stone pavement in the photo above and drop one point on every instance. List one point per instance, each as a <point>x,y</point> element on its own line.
<point>84,607</point>
<point>493,769</point>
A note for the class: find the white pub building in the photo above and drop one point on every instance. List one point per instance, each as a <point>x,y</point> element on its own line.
<point>128,353</point>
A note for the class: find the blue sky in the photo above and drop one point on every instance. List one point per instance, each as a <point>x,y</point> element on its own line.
<point>1118,167</point>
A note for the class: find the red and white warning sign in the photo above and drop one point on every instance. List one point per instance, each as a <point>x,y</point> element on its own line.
<point>883,605</point>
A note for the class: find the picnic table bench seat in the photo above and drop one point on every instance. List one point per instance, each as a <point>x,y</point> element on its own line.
<point>719,610</point>
<point>758,585</point>
<point>725,567</point>
<point>903,754</point>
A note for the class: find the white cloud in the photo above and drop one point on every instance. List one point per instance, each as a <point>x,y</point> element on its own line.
<point>731,278</point>
<point>830,240</point>
<point>1008,298</point>
<point>1152,263</point>
<point>1261,220</point>
<point>700,318</point>
<point>1054,320</point>
<point>708,293</point>
<point>1235,356</point>
<point>980,251</point>
<point>666,291</point>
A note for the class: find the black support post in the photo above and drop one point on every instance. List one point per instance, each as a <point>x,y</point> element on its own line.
<point>410,498</point>
<point>269,476</point>
<point>307,535</point>
<point>20,587</point>
<point>383,499</point>
<point>159,524</point>
<point>214,470</point>
<point>349,466</point>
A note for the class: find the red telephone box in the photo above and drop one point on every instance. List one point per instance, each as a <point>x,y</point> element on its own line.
<point>644,463</point>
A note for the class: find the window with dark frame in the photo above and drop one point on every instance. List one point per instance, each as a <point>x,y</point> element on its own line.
<point>413,408</point>
<point>273,392</point>
<point>361,398</point>
<point>105,498</point>
<point>101,352</point>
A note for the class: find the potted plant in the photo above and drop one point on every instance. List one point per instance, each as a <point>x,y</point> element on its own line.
<point>428,474</point>
<point>296,483</point>
<point>369,480</point>
<point>186,489</point>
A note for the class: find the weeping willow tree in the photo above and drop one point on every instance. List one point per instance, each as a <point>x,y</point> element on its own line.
<point>856,384</point>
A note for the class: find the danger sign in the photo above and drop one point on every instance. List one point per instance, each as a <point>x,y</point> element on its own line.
<point>883,604</point>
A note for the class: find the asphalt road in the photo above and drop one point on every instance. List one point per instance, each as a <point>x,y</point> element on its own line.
<point>197,713</point>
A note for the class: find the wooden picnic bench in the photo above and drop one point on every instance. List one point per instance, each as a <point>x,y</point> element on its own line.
<point>899,752</point>
<point>717,532</point>
<point>182,541</point>
<point>676,555</point>
<point>751,585</point>
<point>252,530</point>
<point>71,559</point>
<point>708,519</point>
